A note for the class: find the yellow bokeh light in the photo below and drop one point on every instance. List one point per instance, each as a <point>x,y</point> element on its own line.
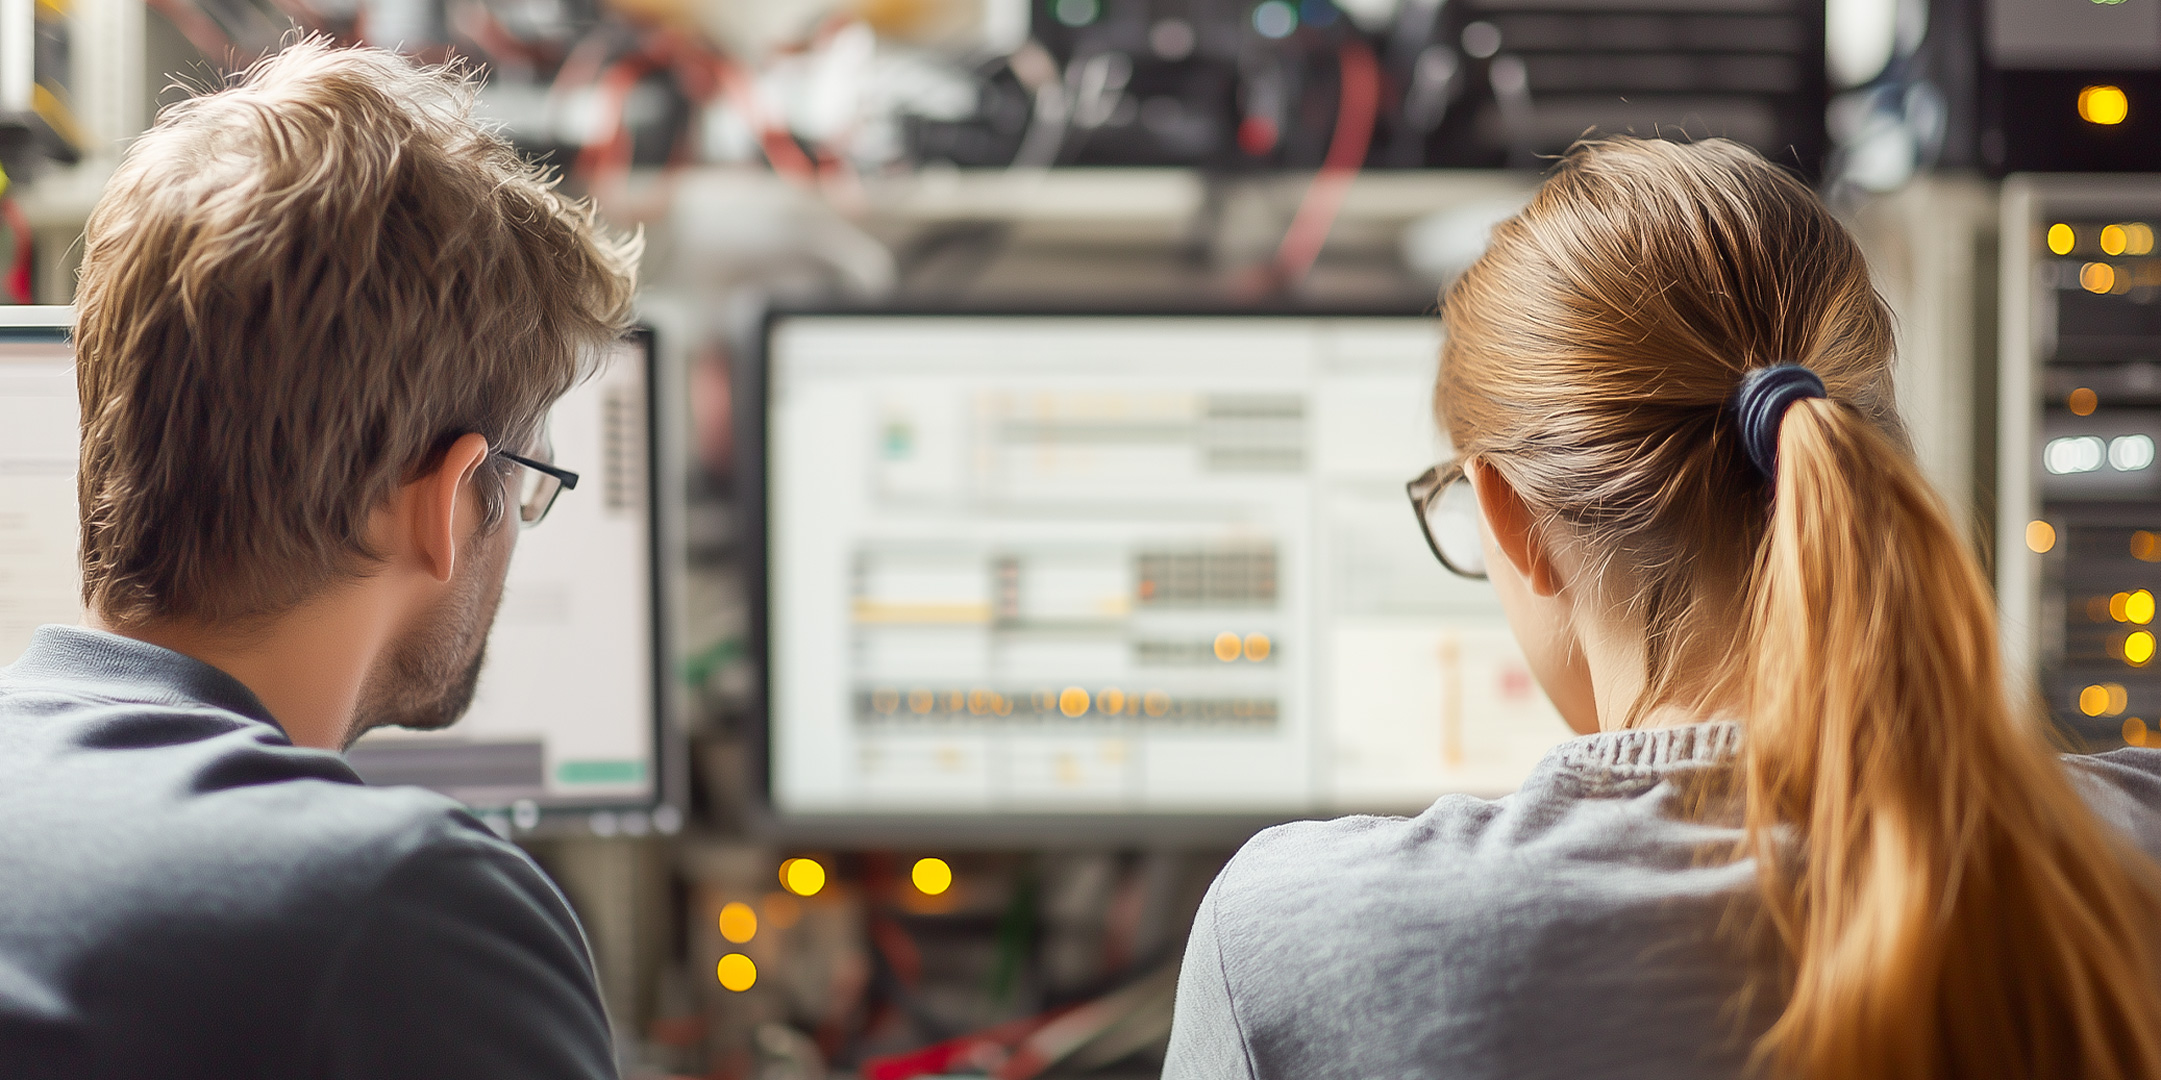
<point>2119,607</point>
<point>1073,701</point>
<point>2082,401</point>
<point>2093,701</point>
<point>1229,646</point>
<point>2139,607</point>
<point>2040,537</point>
<point>737,973</point>
<point>1155,702</point>
<point>2114,240</point>
<point>738,923</point>
<point>2138,238</point>
<point>2139,647</point>
<point>803,877</point>
<point>2061,239</point>
<point>2118,699</point>
<point>2146,546</point>
<point>2134,731</point>
<point>2097,277</point>
<point>1258,647</point>
<point>931,876</point>
<point>1111,702</point>
<point>2104,105</point>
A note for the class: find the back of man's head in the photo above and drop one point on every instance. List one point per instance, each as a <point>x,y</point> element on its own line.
<point>295,293</point>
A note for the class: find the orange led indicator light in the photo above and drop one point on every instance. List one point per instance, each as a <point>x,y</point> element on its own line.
<point>2104,105</point>
<point>2040,537</point>
<point>738,923</point>
<point>803,877</point>
<point>931,876</point>
<point>737,973</point>
<point>2082,402</point>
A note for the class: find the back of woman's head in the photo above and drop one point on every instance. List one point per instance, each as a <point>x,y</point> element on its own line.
<point>1949,906</point>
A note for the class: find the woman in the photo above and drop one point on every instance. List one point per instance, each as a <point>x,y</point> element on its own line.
<point>1806,833</point>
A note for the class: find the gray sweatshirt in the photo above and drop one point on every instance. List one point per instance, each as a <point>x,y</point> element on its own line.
<point>1571,929</point>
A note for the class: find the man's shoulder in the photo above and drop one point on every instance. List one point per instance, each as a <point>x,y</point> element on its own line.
<point>183,806</point>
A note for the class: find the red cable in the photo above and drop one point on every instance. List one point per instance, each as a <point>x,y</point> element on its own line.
<point>1357,103</point>
<point>18,281</point>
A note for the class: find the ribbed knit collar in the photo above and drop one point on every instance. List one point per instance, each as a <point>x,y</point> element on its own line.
<point>1656,749</point>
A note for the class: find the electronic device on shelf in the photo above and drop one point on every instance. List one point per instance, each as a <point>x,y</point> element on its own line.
<point>1025,569</point>
<point>573,718</point>
<point>2079,531</point>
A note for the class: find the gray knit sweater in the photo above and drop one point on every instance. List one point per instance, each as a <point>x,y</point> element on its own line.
<point>1568,930</point>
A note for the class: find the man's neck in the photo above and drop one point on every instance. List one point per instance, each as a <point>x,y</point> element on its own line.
<point>307,665</point>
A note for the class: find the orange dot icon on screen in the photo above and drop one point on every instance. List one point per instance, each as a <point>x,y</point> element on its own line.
<point>1229,646</point>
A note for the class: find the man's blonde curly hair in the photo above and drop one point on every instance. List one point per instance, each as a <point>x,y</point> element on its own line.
<point>296,291</point>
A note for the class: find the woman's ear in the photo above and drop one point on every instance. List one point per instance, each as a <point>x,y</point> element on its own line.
<point>1514,529</point>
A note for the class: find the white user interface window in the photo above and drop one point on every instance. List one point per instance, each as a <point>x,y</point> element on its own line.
<point>564,714</point>
<point>565,710</point>
<point>1121,564</point>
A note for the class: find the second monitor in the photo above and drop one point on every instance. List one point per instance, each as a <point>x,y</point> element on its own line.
<point>1120,563</point>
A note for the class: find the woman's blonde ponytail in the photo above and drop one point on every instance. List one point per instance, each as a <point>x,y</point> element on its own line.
<point>1952,908</point>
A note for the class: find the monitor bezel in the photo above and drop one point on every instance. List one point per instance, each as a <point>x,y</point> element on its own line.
<point>871,828</point>
<point>664,476</point>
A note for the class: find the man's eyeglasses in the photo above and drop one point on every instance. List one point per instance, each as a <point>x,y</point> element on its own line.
<point>538,486</point>
<point>1447,509</point>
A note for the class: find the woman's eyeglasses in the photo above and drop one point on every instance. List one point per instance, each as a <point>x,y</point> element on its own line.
<point>538,486</point>
<point>1447,509</point>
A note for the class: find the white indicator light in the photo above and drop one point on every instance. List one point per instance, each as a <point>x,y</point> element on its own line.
<point>2077,454</point>
<point>2130,453</point>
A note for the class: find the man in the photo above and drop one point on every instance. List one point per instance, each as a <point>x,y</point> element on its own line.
<point>322,316</point>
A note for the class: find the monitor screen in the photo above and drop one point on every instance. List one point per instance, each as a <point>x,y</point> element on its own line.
<point>569,711</point>
<point>1035,564</point>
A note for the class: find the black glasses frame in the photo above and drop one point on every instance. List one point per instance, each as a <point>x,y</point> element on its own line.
<point>1424,492</point>
<point>528,514</point>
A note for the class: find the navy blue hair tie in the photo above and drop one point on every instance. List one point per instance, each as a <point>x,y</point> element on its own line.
<point>1759,406</point>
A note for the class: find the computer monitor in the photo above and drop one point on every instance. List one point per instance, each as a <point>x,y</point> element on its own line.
<point>1027,566</point>
<point>572,718</point>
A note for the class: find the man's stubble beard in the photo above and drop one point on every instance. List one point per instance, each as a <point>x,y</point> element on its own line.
<point>426,680</point>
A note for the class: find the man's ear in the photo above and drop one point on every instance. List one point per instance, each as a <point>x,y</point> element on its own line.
<point>1514,529</point>
<point>434,499</point>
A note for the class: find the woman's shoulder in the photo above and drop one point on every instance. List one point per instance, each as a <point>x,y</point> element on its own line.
<point>1594,881</point>
<point>1597,806</point>
<point>2124,789</point>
